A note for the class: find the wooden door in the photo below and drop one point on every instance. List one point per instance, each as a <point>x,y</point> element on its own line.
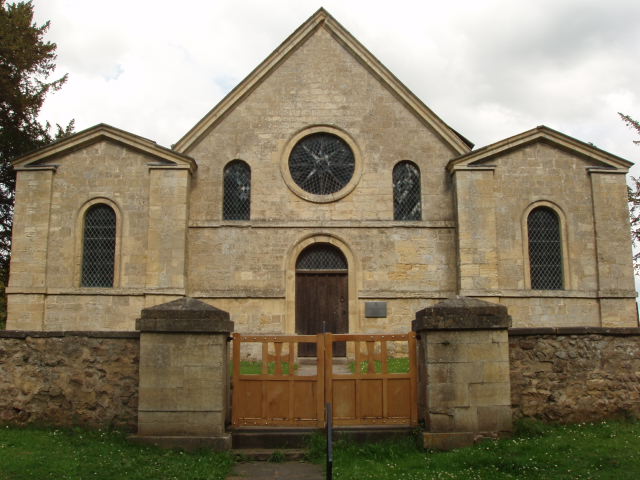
<point>322,301</point>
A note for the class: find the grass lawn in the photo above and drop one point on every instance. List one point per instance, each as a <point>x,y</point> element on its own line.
<point>585,451</point>
<point>35,454</point>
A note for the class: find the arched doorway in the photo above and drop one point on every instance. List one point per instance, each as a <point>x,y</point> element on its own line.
<point>322,295</point>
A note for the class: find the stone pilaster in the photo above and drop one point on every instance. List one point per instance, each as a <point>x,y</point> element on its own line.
<point>476,224</point>
<point>25,309</point>
<point>184,375</point>
<point>167,236</point>
<point>465,389</point>
<point>616,288</point>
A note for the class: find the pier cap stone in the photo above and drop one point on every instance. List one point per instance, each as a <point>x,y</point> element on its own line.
<point>462,313</point>
<point>186,315</point>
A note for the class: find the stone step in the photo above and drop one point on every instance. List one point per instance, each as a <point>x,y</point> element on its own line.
<point>260,438</point>
<point>266,437</point>
<point>269,454</point>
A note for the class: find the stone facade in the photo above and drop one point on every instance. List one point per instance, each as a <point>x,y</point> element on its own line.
<point>575,375</point>
<point>64,379</point>
<point>172,240</point>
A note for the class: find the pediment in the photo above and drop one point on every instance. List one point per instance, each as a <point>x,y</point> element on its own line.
<point>595,157</point>
<point>102,132</point>
<point>322,20</point>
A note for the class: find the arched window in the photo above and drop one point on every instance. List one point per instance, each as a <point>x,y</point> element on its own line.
<point>545,249</point>
<point>321,256</point>
<point>407,204</point>
<point>236,204</point>
<point>99,246</point>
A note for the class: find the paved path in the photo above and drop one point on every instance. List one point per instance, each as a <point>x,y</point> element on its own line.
<point>276,471</point>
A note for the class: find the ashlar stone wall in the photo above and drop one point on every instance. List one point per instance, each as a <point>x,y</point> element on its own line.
<point>150,201</point>
<point>494,197</point>
<point>243,266</point>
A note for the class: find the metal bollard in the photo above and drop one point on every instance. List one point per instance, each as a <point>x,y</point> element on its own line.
<point>329,411</point>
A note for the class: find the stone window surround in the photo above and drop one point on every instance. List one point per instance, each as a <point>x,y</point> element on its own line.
<point>566,277</point>
<point>291,184</point>
<point>79,242</point>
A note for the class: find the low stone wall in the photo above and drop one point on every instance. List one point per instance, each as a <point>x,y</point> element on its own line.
<point>91,378</point>
<point>575,374</point>
<point>69,378</point>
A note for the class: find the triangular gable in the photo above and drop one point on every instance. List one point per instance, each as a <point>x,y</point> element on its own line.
<point>322,19</point>
<point>104,132</point>
<point>540,134</point>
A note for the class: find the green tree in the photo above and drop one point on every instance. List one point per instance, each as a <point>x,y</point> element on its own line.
<point>634,198</point>
<point>26,63</point>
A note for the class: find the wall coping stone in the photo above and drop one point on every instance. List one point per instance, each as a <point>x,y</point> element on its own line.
<point>66,333</point>
<point>462,313</point>
<point>185,315</point>
<point>608,331</point>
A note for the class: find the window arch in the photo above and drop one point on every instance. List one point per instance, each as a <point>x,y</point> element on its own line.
<point>99,246</point>
<point>545,249</point>
<point>407,202</point>
<point>321,256</point>
<point>236,203</point>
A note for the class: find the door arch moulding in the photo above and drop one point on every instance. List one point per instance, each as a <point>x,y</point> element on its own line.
<point>353,273</point>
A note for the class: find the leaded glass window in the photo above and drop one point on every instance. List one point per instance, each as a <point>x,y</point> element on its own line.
<point>407,203</point>
<point>321,256</point>
<point>99,246</point>
<point>237,191</point>
<point>545,249</point>
<point>322,163</point>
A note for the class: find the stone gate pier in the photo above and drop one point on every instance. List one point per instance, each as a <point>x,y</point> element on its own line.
<point>464,392</point>
<point>184,375</point>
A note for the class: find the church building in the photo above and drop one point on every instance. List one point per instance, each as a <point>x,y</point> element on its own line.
<point>319,194</point>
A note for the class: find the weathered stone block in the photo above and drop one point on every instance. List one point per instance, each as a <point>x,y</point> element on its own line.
<point>462,313</point>
<point>439,422</point>
<point>448,395</point>
<point>463,373</point>
<point>494,418</point>
<point>184,423</point>
<point>465,419</point>
<point>487,394</point>
<point>495,372</point>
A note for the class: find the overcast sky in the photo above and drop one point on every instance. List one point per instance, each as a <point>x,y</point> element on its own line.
<point>490,69</point>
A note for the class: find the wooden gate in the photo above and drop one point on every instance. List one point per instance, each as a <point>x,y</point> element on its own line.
<point>375,385</point>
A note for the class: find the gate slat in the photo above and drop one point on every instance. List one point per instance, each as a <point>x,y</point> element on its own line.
<point>292,359</point>
<point>278,348</point>
<point>371,362</point>
<point>321,384</point>
<point>384,357</point>
<point>265,358</point>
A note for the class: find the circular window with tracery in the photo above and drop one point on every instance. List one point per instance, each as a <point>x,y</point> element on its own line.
<point>321,164</point>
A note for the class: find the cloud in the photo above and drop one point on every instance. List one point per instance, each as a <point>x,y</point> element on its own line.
<point>490,69</point>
